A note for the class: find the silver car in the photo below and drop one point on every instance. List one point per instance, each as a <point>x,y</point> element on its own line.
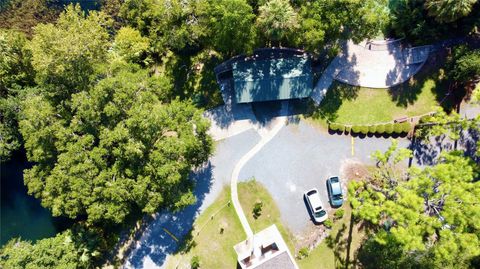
<point>316,206</point>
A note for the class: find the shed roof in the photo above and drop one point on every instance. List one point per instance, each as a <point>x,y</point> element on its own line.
<point>272,79</point>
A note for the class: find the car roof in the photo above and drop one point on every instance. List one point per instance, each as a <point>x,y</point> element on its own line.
<point>336,186</point>
<point>315,200</point>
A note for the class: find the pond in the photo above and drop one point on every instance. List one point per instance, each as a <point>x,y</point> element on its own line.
<point>21,215</point>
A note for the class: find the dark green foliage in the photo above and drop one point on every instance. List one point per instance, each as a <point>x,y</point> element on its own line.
<point>419,206</point>
<point>122,149</point>
<point>326,22</point>
<point>65,55</point>
<point>411,19</point>
<point>23,15</point>
<point>257,209</point>
<point>277,21</point>
<point>75,248</point>
<point>168,24</point>
<point>464,64</point>
<point>231,23</point>
<point>16,73</point>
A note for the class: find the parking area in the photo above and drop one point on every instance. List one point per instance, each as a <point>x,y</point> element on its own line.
<point>301,157</point>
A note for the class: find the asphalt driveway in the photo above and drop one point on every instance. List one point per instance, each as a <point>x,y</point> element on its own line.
<point>301,157</point>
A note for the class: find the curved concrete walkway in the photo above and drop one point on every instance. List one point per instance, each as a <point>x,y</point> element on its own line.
<point>266,137</point>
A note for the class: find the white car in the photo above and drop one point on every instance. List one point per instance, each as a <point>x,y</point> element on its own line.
<point>316,205</point>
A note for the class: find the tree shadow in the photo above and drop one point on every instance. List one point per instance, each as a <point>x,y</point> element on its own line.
<point>333,100</point>
<point>169,231</point>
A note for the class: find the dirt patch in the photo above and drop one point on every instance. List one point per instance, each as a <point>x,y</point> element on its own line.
<point>354,170</point>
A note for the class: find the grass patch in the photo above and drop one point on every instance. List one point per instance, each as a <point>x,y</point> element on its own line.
<point>251,192</point>
<point>214,246</point>
<point>343,242</point>
<point>357,105</point>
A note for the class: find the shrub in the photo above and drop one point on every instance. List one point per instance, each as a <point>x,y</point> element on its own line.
<point>356,128</point>
<point>372,129</point>
<point>339,213</point>
<point>257,209</point>
<point>380,129</point>
<point>389,128</point>
<point>426,118</point>
<point>348,129</point>
<point>397,128</point>
<point>303,253</point>
<point>336,127</point>
<point>328,223</point>
<point>406,127</point>
<point>195,262</point>
<point>364,129</point>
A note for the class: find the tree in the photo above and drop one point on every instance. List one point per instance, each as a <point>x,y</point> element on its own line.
<point>232,26</point>
<point>65,55</point>
<point>327,22</point>
<point>131,46</point>
<point>123,149</point>
<point>434,210</point>
<point>277,20</point>
<point>447,10</point>
<point>23,15</point>
<point>16,73</point>
<point>168,24</point>
<point>79,247</point>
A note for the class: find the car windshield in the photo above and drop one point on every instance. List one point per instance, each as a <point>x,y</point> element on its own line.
<point>320,213</point>
<point>338,197</point>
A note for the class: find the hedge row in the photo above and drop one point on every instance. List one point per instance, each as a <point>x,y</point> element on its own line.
<point>389,128</point>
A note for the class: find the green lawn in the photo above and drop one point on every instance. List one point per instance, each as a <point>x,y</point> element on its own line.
<point>356,105</point>
<point>249,193</point>
<point>344,240</point>
<point>215,248</point>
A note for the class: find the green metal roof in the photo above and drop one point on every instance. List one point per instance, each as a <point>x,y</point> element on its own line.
<point>272,79</point>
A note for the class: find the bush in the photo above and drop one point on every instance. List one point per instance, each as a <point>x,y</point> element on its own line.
<point>303,253</point>
<point>195,262</point>
<point>364,129</point>
<point>356,128</point>
<point>426,118</point>
<point>380,129</point>
<point>372,129</point>
<point>397,128</point>
<point>389,128</point>
<point>328,223</point>
<point>348,129</point>
<point>339,213</point>
<point>257,209</point>
<point>336,127</point>
<point>406,127</point>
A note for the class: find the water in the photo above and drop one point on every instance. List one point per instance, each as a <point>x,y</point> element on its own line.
<point>21,215</point>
